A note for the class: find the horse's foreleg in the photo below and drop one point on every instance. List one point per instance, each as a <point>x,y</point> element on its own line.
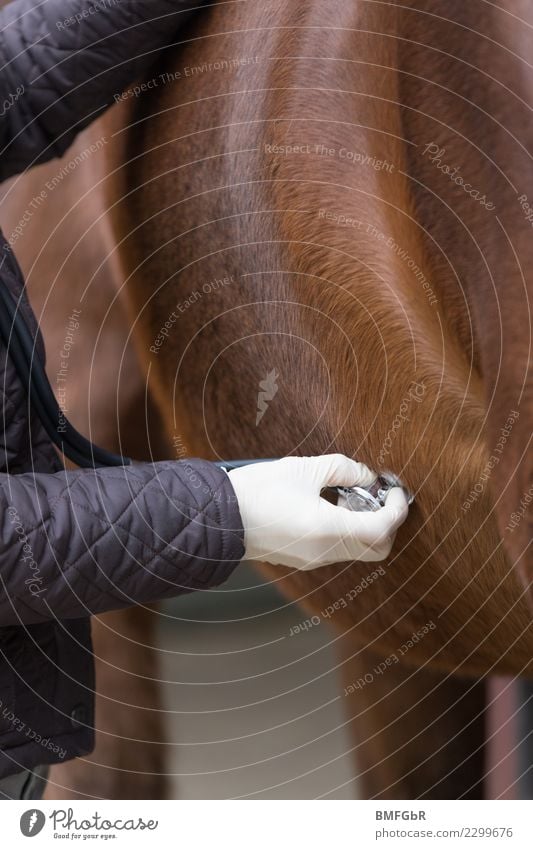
<point>417,733</point>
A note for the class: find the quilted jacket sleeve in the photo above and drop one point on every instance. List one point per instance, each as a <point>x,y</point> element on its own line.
<point>62,62</point>
<point>81,542</point>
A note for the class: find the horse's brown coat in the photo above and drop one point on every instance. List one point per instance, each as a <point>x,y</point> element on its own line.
<point>237,173</point>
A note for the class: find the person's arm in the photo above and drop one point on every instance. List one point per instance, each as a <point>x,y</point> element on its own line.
<point>76,543</point>
<point>81,542</point>
<point>62,62</point>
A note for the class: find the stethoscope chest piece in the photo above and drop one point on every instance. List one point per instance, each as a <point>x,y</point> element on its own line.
<point>365,499</point>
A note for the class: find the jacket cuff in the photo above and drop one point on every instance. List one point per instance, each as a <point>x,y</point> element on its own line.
<point>223,518</point>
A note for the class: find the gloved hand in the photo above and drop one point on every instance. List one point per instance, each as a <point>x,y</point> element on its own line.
<point>286,522</point>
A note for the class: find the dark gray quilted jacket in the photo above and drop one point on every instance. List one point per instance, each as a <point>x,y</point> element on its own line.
<point>81,542</point>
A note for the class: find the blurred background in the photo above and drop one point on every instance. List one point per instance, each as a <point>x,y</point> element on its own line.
<point>252,711</point>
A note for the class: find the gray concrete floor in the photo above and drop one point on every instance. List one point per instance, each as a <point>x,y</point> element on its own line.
<point>252,711</point>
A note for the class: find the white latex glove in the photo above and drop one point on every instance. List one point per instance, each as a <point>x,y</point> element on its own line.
<point>286,522</point>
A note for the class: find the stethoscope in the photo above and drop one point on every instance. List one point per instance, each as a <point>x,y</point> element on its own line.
<point>20,347</point>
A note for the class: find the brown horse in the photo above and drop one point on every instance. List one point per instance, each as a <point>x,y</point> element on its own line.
<point>337,195</point>
<point>324,209</point>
